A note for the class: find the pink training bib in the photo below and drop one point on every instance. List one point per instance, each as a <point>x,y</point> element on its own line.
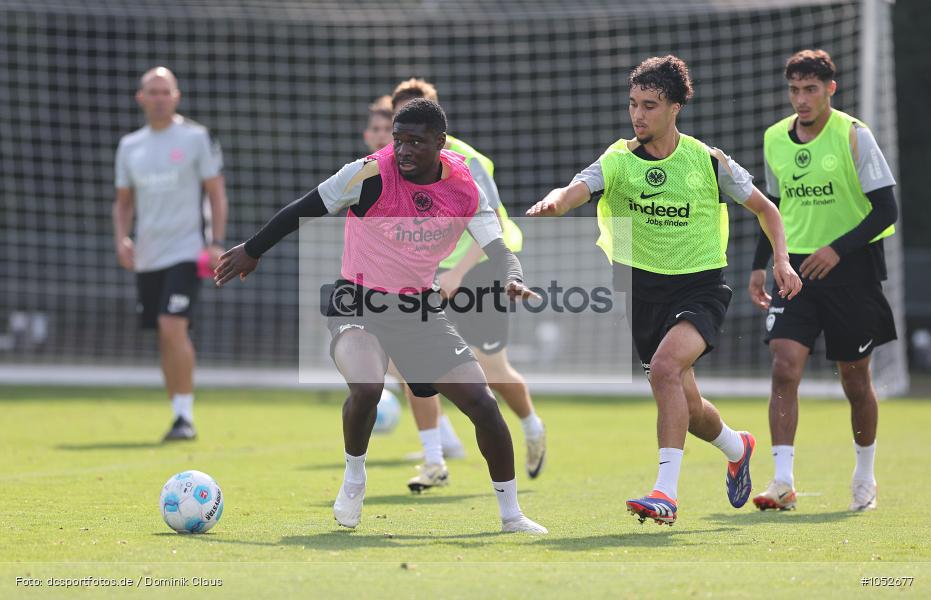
<point>397,246</point>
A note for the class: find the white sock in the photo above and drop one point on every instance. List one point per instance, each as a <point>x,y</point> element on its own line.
<point>183,405</point>
<point>355,469</point>
<point>730,443</point>
<point>784,457</point>
<point>865,458</point>
<point>432,448</point>
<point>667,479</point>
<point>506,493</point>
<point>448,437</point>
<point>532,425</point>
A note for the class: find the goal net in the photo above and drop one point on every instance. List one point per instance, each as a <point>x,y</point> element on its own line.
<point>540,87</point>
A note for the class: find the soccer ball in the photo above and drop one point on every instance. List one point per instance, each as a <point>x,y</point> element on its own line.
<point>389,413</point>
<point>191,502</point>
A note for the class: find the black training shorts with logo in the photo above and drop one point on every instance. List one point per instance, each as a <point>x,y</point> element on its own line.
<point>171,291</point>
<point>423,344</point>
<point>855,319</point>
<point>704,307</point>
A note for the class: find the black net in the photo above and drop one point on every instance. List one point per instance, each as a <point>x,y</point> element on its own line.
<point>540,87</point>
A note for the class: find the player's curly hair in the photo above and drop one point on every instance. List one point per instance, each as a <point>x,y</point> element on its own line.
<point>668,74</point>
<point>423,111</point>
<point>807,63</point>
<point>413,88</point>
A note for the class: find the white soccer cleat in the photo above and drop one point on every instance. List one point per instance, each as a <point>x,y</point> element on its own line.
<point>778,496</point>
<point>864,495</point>
<point>523,524</point>
<point>536,454</point>
<point>430,476</point>
<point>347,510</point>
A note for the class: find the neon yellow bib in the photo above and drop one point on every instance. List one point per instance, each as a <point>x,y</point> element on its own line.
<point>511,233</point>
<point>676,222</point>
<point>820,194</point>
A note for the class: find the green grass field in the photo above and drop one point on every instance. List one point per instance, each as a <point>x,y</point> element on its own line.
<point>81,473</point>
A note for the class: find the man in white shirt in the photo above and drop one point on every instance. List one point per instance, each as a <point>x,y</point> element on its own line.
<point>162,171</point>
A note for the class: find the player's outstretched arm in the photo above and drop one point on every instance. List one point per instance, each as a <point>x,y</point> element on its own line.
<point>244,258</point>
<point>485,229</point>
<point>508,266</point>
<point>561,200</point>
<point>451,280</point>
<point>766,212</point>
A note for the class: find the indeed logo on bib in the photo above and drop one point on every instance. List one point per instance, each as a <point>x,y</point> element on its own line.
<point>673,214</point>
<point>815,192</point>
<point>421,234</point>
<point>658,209</point>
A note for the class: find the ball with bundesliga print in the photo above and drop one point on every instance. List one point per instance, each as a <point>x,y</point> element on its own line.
<point>191,502</point>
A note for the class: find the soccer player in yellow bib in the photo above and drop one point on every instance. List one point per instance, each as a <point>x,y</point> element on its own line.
<point>834,190</point>
<point>485,331</point>
<point>669,186</point>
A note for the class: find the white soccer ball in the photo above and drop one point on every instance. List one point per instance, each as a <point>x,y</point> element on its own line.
<point>191,502</point>
<point>389,413</point>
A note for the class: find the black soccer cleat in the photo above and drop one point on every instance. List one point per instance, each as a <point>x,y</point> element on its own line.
<point>180,430</point>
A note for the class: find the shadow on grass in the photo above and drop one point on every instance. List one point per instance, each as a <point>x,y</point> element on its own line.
<point>110,446</point>
<point>647,537</point>
<point>345,539</point>
<point>338,539</point>
<point>779,516</point>
<point>211,537</point>
<point>411,499</point>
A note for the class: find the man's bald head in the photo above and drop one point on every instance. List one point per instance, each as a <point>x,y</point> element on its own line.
<point>159,73</point>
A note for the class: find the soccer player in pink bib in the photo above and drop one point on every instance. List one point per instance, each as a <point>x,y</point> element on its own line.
<point>408,205</point>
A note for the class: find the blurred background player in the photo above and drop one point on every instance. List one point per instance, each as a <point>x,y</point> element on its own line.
<point>676,254</point>
<point>377,132</point>
<point>162,171</point>
<point>835,192</point>
<point>413,181</point>
<point>485,331</point>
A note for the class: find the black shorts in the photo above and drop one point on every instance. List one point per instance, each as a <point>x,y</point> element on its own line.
<point>423,345</point>
<point>854,318</point>
<point>704,307</point>
<point>483,327</point>
<point>171,291</point>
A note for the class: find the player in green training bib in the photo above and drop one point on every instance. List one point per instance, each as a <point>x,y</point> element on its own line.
<point>834,190</point>
<point>667,186</point>
<point>486,331</point>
